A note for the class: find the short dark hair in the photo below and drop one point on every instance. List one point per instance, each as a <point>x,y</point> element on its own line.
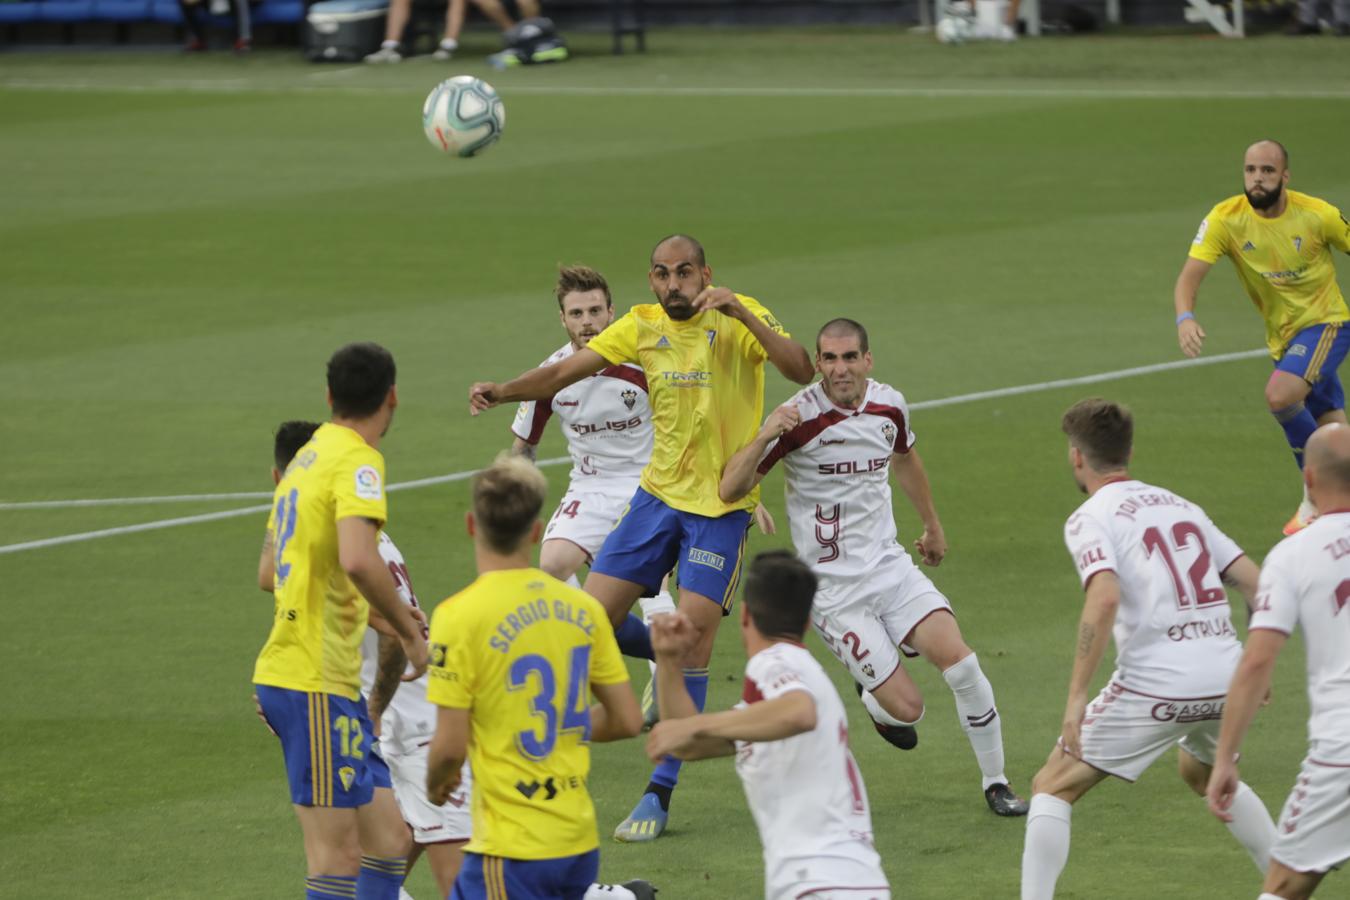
<point>360,376</point>
<point>1102,431</point>
<point>290,437</point>
<point>698,247</point>
<point>843,328</point>
<point>507,498</point>
<point>779,590</point>
<point>572,279</point>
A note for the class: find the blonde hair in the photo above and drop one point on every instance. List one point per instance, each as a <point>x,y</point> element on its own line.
<point>507,498</point>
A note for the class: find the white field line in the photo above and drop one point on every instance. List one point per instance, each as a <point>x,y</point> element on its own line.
<point>236,86</point>
<point>1016,390</point>
<point>240,495</point>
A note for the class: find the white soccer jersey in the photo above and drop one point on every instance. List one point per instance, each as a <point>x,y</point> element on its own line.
<point>607,420</point>
<point>838,463</point>
<point>806,793</point>
<point>410,718</point>
<point>1174,632</point>
<point>1305,581</point>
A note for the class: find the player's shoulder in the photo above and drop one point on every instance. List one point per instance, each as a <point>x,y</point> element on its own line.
<point>560,354</point>
<point>780,661</point>
<point>1229,208</point>
<point>881,394</point>
<point>1314,206</point>
<point>1325,531</point>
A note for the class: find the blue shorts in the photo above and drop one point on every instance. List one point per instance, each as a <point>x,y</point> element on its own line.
<point>651,538</point>
<point>492,877</point>
<point>1314,355</point>
<point>325,739</point>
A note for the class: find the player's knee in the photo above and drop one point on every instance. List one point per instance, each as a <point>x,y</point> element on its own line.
<point>1285,395</point>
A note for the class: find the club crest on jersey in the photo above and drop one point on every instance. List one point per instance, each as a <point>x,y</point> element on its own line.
<point>348,775</point>
<point>1248,246</point>
<point>869,671</point>
<point>629,398</point>
<point>1298,244</point>
<point>888,432</point>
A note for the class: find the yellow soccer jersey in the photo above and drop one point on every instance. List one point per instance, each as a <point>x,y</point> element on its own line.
<point>1284,263</point>
<point>705,381</point>
<point>520,650</point>
<point>315,644</point>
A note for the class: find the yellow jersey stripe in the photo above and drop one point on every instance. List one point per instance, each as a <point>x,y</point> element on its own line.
<point>730,596</point>
<point>1323,350</point>
<point>327,753</point>
<point>1315,364</point>
<point>313,753</point>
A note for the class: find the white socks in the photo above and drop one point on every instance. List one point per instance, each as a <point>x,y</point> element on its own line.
<point>879,714</point>
<point>608,892</point>
<point>1047,846</point>
<point>404,895</point>
<point>572,580</point>
<point>1252,825</point>
<point>979,717</point>
<point>452,45</point>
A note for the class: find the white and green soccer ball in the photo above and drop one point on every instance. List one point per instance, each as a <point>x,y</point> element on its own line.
<point>463,116</point>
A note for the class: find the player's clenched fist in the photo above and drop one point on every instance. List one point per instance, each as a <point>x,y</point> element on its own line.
<point>1191,337</point>
<point>669,738</point>
<point>672,634</point>
<point>482,395</point>
<point>781,421</point>
<point>439,790</point>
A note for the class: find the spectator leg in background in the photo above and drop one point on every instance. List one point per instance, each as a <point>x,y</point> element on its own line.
<point>192,20</point>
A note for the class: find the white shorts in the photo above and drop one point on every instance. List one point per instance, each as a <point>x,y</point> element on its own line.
<point>1125,732</point>
<point>1313,834</point>
<point>826,878</point>
<point>863,620</point>
<point>586,518</point>
<point>430,824</point>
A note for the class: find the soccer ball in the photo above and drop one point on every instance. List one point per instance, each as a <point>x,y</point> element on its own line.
<point>953,29</point>
<point>463,115</point>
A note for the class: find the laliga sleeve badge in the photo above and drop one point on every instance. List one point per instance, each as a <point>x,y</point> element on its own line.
<point>368,486</point>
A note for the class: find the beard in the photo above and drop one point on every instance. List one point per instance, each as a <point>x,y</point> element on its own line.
<point>678,306</point>
<point>1266,199</point>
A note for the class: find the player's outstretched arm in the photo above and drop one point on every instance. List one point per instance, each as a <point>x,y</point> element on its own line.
<point>1190,336</point>
<point>536,384</point>
<point>913,480</point>
<point>359,556</point>
<point>1249,687</point>
<point>616,714</point>
<point>787,356</point>
<point>445,756</point>
<point>1094,632</point>
<point>714,734</point>
<point>522,447</point>
<point>1244,575</point>
<point>740,475</point>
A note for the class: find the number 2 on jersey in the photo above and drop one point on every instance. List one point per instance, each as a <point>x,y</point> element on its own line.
<point>576,712</point>
<point>1183,535</point>
<point>285,525</point>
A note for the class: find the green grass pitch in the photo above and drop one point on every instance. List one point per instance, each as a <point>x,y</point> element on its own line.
<point>186,240</point>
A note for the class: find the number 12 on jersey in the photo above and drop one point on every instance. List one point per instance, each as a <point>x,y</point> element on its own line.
<point>538,742</point>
